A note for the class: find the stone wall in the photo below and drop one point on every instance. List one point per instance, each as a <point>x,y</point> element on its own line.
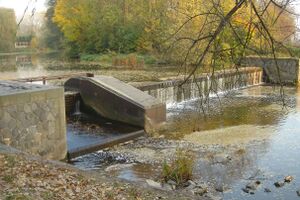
<point>285,71</point>
<point>32,119</point>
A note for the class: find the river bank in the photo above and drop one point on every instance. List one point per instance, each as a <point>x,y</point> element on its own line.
<point>28,177</point>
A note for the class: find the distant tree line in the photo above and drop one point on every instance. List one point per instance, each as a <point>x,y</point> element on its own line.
<point>160,26</point>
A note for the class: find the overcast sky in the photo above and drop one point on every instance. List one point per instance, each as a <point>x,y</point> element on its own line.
<point>20,5</point>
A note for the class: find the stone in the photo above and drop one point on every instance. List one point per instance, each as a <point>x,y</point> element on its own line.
<point>298,192</point>
<point>279,184</point>
<point>267,190</point>
<point>154,184</point>
<point>22,111</point>
<point>288,179</point>
<point>253,185</point>
<point>246,190</point>
<point>191,183</point>
<point>220,188</point>
<point>199,191</point>
<point>170,182</point>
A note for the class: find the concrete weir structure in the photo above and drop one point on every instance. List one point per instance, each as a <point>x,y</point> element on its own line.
<point>32,119</point>
<point>171,91</point>
<point>116,100</point>
<point>281,70</point>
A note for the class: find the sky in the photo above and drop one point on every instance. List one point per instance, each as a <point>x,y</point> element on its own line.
<point>20,5</point>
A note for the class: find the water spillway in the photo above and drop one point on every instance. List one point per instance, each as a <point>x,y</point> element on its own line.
<point>116,100</point>
<point>173,91</point>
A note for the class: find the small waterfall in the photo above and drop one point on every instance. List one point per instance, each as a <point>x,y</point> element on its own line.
<point>77,108</point>
<point>170,92</point>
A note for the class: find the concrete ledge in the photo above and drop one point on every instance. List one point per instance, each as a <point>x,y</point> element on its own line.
<point>116,100</point>
<point>286,71</point>
<point>73,153</point>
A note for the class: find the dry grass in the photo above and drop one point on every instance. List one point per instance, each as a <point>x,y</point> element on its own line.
<point>180,170</point>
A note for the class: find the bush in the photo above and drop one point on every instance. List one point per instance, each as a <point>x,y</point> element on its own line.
<point>180,170</point>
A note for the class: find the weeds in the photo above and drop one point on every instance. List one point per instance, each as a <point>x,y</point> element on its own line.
<point>180,170</point>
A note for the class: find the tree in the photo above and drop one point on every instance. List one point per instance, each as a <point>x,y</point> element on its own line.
<point>52,36</point>
<point>8,28</point>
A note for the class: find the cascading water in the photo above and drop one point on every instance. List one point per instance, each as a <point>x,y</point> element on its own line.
<point>171,92</point>
<point>77,108</point>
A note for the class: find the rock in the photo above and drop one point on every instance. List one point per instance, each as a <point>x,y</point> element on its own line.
<point>246,190</point>
<point>168,187</point>
<point>212,197</point>
<point>190,185</point>
<point>298,192</point>
<point>279,184</point>
<point>154,184</point>
<point>220,188</point>
<point>200,191</point>
<point>253,185</point>
<point>118,167</point>
<point>190,182</point>
<point>288,179</point>
<point>170,182</point>
<point>267,190</point>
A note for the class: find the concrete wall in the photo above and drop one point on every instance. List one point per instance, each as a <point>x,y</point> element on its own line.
<point>171,91</point>
<point>116,100</point>
<point>287,71</point>
<point>32,119</point>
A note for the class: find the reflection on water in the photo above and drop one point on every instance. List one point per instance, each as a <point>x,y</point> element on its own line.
<point>21,66</point>
<point>245,107</point>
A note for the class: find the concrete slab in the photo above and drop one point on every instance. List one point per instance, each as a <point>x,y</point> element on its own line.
<point>116,100</point>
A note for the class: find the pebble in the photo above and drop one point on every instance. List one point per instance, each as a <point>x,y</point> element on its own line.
<point>253,185</point>
<point>170,182</point>
<point>298,192</point>
<point>279,184</point>
<point>154,184</point>
<point>220,188</point>
<point>200,191</point>
<point>267,190</point>
<point>288,179</point>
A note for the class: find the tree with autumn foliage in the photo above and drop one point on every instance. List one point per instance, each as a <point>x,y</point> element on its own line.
<point>173,26</point>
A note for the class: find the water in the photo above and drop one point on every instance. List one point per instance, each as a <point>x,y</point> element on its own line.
<point>251,128</point>
<point>77,108</point>
<point>24,66</point>
<point>87,129</point>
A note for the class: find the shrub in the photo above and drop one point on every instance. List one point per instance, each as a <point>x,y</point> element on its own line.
<point>180,170</point>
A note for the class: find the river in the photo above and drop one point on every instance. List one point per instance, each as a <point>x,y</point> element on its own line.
<point>246,136</point>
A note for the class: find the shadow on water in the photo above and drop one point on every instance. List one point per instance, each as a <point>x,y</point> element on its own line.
<point>86,129</point>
